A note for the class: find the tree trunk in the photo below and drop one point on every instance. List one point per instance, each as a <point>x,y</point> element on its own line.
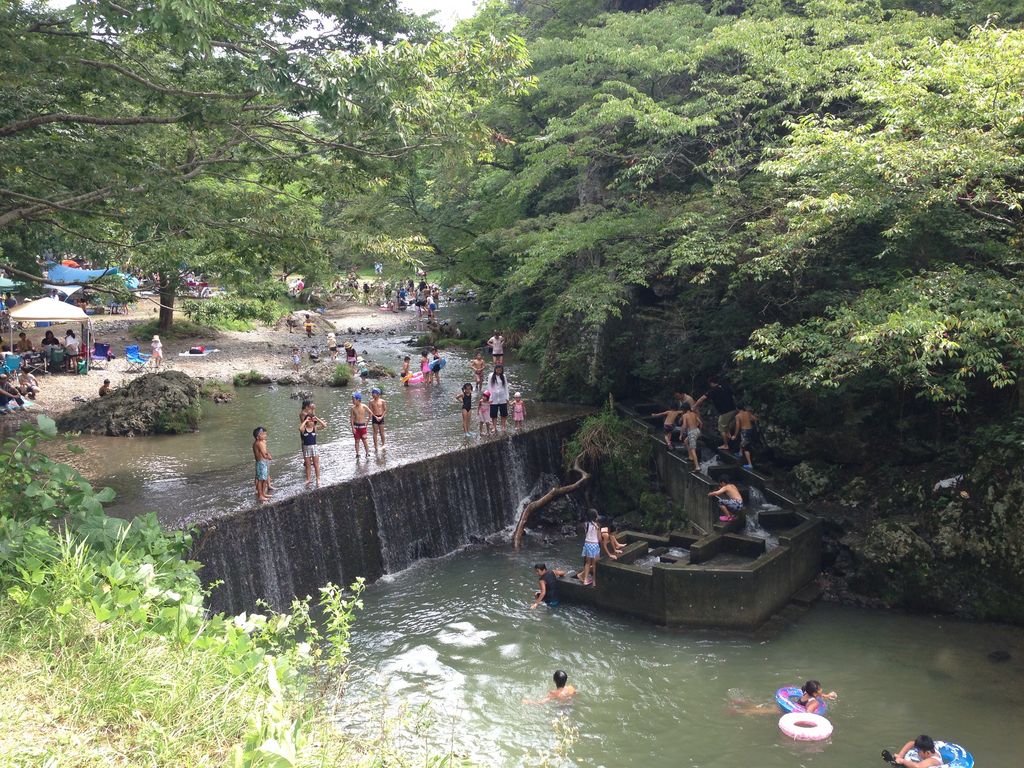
<point>168,290</point>
<point>556,492</point>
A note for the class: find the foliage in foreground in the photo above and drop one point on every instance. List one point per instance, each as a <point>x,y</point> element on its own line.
<point>109,657</point>
<point>620,456</point>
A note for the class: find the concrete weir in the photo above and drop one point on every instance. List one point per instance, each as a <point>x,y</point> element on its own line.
<point>731,576</point>
<point>375,524</point>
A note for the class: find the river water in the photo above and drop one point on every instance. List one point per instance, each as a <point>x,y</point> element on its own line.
<point>184,477</point>
<point>456,634</point>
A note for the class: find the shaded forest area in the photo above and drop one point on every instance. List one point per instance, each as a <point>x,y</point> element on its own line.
<point>819,200</point>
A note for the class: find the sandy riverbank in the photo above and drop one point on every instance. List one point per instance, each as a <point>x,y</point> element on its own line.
<point>266,349</point>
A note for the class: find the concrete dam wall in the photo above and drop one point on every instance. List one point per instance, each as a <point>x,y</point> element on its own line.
<point>373,525</point>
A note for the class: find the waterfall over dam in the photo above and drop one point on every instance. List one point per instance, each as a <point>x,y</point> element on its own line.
<point>375,524</point>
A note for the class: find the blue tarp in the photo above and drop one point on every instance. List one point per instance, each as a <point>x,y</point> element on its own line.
<point>62,274</point>
<point>70,275</point>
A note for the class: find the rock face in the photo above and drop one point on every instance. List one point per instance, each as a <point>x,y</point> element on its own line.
<point>322,374</point>
<point>154,404</point>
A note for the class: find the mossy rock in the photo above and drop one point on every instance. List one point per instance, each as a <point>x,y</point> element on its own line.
<point>249,378</point>
<point>166,403</point>
<point>328,374</point>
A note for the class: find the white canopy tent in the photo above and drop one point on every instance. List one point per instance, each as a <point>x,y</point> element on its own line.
<point>48,310</point>
<point>54,311</point>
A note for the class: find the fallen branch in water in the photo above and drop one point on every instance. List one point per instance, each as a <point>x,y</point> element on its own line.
<point>556,492</point>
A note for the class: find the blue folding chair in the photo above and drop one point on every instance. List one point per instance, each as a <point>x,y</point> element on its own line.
<point>12,364</point>
<point>137,361</point>
<point>100,355</point>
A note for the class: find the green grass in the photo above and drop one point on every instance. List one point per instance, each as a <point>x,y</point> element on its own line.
<point>180,330</point>
<point>110,659</point>
<point>211,388</point>
<point>115,695</point>
<point>341,375</point>
<point>250,378</point>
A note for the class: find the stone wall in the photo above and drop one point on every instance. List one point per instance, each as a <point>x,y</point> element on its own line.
<point>374,525</point>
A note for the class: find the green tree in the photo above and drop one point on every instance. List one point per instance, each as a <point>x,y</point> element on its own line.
<point>121,118</point>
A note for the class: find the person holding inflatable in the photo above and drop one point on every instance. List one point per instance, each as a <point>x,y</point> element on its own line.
<point>920,753</point>
<point>812,699</point>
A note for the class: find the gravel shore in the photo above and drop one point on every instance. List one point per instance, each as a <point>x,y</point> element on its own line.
<point>266,349</point>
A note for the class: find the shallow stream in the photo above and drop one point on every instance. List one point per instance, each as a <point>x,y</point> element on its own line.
<point>457,634</point>
<point>184,476</point>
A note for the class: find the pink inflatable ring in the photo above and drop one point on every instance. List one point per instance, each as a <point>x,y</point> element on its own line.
<point>805,726</point>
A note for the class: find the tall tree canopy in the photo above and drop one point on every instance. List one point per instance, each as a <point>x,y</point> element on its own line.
<point>164,130</point>
<point>830,188</point>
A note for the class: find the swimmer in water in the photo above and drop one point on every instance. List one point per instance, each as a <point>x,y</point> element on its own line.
<point>811,699</point>
<point>562,693</point>
<point>919,753</point>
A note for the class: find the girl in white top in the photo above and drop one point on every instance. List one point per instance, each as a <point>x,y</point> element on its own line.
<point>72,348</point>
<point>498,387</point>
<point>591,549</point>
<point>158,351</point>
<point>497,345</point>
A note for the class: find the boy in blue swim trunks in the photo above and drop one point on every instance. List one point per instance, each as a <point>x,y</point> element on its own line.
<point>263,458</point>
<point>730,501</point>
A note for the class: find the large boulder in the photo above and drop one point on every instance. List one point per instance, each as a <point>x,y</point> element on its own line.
<point>166,403</point>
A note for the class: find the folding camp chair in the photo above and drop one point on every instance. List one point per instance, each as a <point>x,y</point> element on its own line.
<point>12,364</point>
<point>137,361</point>
<point>100,355</point>
<point>55,359</point>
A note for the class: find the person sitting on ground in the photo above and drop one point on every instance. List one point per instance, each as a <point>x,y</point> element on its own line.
<point>562,692</point>
<point>9,394</point>
<point>105,389</point>
<point>27,384</point>
<point>548,593</point>
<point>812,699</point>
<point>669,425</point>
<point>746,422</point>
<point>730,501</point>
<point>920,753</point>
<point>24,344</point>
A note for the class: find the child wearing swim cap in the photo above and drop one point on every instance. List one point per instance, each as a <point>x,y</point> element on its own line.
<point>518,410</point>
